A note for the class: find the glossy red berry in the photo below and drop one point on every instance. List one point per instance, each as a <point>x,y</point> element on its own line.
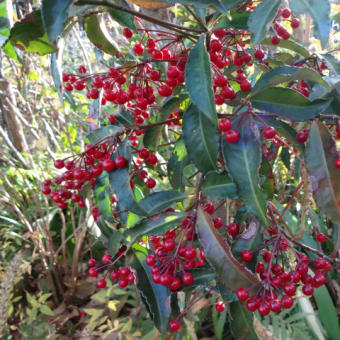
<point>289,288</point>
<point>320,237</point>
<point>286,13</point>
<point>93,272</point>
<point>82,69</point>
<point>123,282</point>
<point>232,229</point>
<point>106,259</point>
<point>101,283</point>
<point>218,222</point>
<point>264,308</point>
<point>150,183</point>
<point>337,163</point>
<point>259,54</point>
<point>91,262</point>
<point>242,294</point>
<point>127,33</point>
<point>232,136</point>
<point>295,23</point>
<point>59,164</point>
<point>120,162</point>
<point>275,40</point>
<point>115,275</point>
<point>187,278</point>
<point>246,255</point>
<point>174,325</point>
<point>269,132</point>
<point>245,86</point>
<point>109,165</point>
<point>275,305</point>
<point>224,125</point>
<point>175,284</point>
<point>318,280</point>
<point>308,289</point>
<point>220,306</point>
<point>150,260</point>
<point>138,49</point>
<point>287,301</point>
<point>209,208</point>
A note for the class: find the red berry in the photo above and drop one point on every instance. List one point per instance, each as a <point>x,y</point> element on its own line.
<point>68,87</point>
<point>138,49</point>
<point>289,288</point>
<point>286,13</point>
<point>123,282</point>
<point>321,237</point>
<point>150,260</point>
<point>127,33</point>
<point>287,301</point>
<point>246,255</point>
<point>269,132</point>
<point>108,165</point>
<point>232,136</point>
<point>155,75</point>
<point>190,253</point>
<point>150,183</point>
<point>175,284</point>
<point>337,163</point>
<point>252,304</point>
<point>46,190</point>
<point>165,279</point>
<point>187,278</point>
<point>218,222</point>
<point>233,229</point>
<point>101,283</point>
<point>82,69</point>
<point>209,208</point>
<point>174,325</point>
<point>220,306</point>
<point>259,54</point>
<point>302,136</point>
<point>106,259</point>
<point>264,308</point>
<point>169,245</point>
<point>295,23</point>
<point>59,164</point>
<point>124,271</point>
<point>93,272</point>
<point>115,275</point>
<point>224,125</point>
<point>318,280</point>
<point>165,91</point>
<point>245,86</point>
<point>275,306</point>
<point>275,40</point>
<point>91,262</point>
<point>242,294</point>
<point>143,153</point>
<point>152,159</point>
<point>308,289</point>
<point>120,162</point>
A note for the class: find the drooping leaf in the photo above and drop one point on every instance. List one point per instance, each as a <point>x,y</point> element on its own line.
<point>243,160</point>
<point>230,273</point>
<point>327,312</point>
<point>289,45</point>
<point>159,201</point>
<point>98,134</point>
<point>54,15</point>
<point>242,322</point>
<point>120,184</point>
<point>288,103</point>
<point>285,74</point>
<point>29,35</point>
<point>201,139</point>
<point>123,18</point>
<point>198,80</point>
<point>319,11</point>
<point>178,160</point>
<point>103,196</point>
<point>151,136</point>
<point>219,185</point>
<point>155,296</point>
<point>320,155</point>
<point>153,226</point>
<point>98,34</point>
<point>263,14</point>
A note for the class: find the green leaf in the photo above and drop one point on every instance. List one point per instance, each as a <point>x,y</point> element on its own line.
<point>5,24</point>
<point>285,74</point>
<point>54,15</point>
<point>288,103</point>
<point>242,322</point>
<point>289,45</point>
<point>120,183</point>
<point>243,160</point>
<point>102,194</point>
<point>231,273</point>
<point>29,35</point>
<point>319,11</point>
<point>333,63</point>
<point>201,276</point>
<point>123,18</point>
<point>218,185</point>
<point>201,139</point>
<point>178,160</point>
<point>327,312</point>
<point>98,134</point>
<point>156,297</point>
<point>98,34</point>
<point>239,20</point>
<point>263,14</point>
<point>159,201</point>
<point>153,226</point>
<point>320,155</point>
<point>152,134</point>
<point>46,310</point>
<point>198,80</point>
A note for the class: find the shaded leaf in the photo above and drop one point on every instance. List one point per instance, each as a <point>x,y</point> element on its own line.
<point>243,160</point>
<point>102,194</point>
<point>198,80</point>
<point>155,296</point>
<point>46,310</point>
<point>98,134</point>
<point>54,15</point>
<point>288,103</point>
<point>289,45</point>
<point>321,153</point>
<point>123,18</point>
<point>319,11</point>
<point>263,14</point>
<point>201,139</point>
<point>219,185</point>
<point>231,273</point>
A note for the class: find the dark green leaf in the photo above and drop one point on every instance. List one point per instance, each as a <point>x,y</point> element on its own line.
<point>289,45</point>
<point>54,15</point>
<point>242,322</point>
<point>102,194</point>
<point>98,134</point>
<point>152,134</point>
<point>120,183</point>
<point>332,63</point>
<point>218,185</point>
<point>198,80</point>
<point>226,294</point>
<point>202,276</point>
<point>155,296</point>
<point>201,139</point>
<point>178,160</point>
<point>319,11</point>
<point>124,117</point>
<point>263,14</point>
<point>115,241</point>
<point>123,18</point>
<point>238,20</point>
<point>99,35</point>
<point>159,201</point>
<point>243,160</point>
<point>321,153</point>
<point>231,273</point>
<point>153,226</point>
<point>288,103</point>
<point>29,35</point>
<point>285,74</point>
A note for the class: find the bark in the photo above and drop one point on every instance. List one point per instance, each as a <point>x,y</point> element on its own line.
<point>10,109</point>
